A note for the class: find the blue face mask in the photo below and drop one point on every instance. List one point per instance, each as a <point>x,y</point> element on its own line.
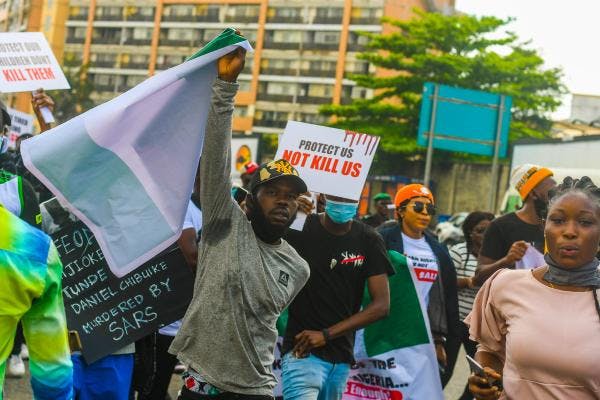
<point>339,212</point>
<point>3,144</point>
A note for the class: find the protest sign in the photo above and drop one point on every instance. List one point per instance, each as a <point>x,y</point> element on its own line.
<point>27,63</point>
<point>329,160</point>
<point>109,312</point>
<point>21,124</point>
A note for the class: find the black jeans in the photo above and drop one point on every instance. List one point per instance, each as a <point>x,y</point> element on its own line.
<point>19,340</point>
<point>165,364</point>
<point>452,348</point>
<point>186,394</point>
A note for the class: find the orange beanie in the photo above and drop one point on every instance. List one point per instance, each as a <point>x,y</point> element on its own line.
<point>410,191</point>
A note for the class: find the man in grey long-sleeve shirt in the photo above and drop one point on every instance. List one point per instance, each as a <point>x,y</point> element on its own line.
<point>247,275</point>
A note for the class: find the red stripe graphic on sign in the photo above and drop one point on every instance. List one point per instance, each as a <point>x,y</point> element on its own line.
<point>426,275</point>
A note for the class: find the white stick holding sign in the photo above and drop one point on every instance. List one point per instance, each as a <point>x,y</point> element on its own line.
<point>27,63</point>
<point>329,160</point>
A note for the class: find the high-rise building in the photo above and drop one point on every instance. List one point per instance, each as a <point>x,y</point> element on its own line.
<point>304,49</point>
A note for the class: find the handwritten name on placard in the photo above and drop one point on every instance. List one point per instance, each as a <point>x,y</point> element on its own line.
<point>110,312</point>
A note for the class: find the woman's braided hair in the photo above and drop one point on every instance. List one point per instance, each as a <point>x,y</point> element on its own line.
<point>583,185</point>
<point>588,188</point>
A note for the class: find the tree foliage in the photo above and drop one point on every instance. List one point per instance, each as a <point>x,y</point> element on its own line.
<point>70,103</point>
<point>457,50</point>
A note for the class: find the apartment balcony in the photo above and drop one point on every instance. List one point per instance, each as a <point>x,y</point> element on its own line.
<point>320,46</point>
<point>165,66</point>
<point>108,17</point>
<point>278,98</point>
<point>365,21</point>
<point>177,43</point>
<point>328,20</point>
<point>106,40</point>
<point>242,19</point>
<point>270,123</point>
<point>191,18</point>
<point>104,64</point>
<point>278,71</point>
<point>140,17</point>
<point>80,17</point>
<point>321,73</point>
<point>76,40</point>
<point>138,42</point>
<point>282,45</point>
<point>104,88</point>
<point>314,100</point>
<point>286,20</point>
<point>137,65</point>
<point>356,47</point>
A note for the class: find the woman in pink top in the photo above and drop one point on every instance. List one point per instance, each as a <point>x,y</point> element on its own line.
<point>539,330</point>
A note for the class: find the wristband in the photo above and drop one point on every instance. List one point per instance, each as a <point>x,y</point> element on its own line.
<point>439,340</point>
<point>325,333</point>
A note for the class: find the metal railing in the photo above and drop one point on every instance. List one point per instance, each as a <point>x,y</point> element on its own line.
<point>282,45</point>
<point>270,123</point>
<point>282,98</point>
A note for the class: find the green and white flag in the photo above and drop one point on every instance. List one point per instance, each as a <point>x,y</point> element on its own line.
<point>126,168</point>
<point>395,356</point>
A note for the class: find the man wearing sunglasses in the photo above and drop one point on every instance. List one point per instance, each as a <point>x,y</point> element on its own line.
<point>434,270</point>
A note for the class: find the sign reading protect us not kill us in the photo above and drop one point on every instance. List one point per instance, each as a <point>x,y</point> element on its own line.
<point>27,63</point>
<point>331,161</point>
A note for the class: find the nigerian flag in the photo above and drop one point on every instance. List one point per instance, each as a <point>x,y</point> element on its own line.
<point>395,356</point>
<point>126,168</point>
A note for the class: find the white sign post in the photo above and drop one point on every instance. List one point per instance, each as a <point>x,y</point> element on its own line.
<point>329,160</point>
<point>21,124</point>
<point>27,63</point>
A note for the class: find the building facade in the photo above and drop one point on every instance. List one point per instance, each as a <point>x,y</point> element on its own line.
<point>305,50</point>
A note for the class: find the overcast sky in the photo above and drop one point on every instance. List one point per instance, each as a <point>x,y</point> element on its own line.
<point>563,31</point>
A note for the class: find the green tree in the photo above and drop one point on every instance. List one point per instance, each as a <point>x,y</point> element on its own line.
<point>70,103</point>
<point>457,50</point>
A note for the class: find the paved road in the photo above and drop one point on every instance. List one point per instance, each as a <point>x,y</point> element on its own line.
<point>19,389</point>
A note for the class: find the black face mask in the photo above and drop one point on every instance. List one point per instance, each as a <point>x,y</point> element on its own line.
<point>265,231</point>
<point>541,207</point>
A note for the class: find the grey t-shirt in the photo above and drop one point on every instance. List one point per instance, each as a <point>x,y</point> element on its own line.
<point>242,284</point>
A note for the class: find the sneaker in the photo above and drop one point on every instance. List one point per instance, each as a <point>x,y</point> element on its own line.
<point>15,367</point>
<point>24,354</point>
<point>180,368</point>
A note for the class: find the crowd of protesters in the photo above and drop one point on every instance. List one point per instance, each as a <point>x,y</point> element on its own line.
<point>520,294</point>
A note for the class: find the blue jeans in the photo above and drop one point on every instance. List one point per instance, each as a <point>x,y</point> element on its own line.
<point>312,378</point>
<point>108,378</point>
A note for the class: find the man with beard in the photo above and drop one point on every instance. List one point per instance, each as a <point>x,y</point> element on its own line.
<point>516,240</point>
<point>246,274</point>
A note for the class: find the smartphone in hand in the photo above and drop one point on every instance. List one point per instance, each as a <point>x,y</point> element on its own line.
<point>477,369</point>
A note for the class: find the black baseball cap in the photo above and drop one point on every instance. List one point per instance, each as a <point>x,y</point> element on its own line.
<point>268,172</point>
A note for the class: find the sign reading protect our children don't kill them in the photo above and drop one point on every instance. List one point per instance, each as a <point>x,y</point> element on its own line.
<point>330,161</point>
<point>27,63</point>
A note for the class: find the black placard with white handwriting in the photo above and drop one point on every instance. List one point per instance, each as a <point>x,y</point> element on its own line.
<point>110,312</point>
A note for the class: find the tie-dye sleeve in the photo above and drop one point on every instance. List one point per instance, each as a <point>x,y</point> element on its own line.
<point>45,330</point>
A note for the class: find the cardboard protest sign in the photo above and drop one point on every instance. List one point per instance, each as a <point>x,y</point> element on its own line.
<point>27,63</point>
<point>21,124</point>
<point>109,312</point>
<point>329,160</point>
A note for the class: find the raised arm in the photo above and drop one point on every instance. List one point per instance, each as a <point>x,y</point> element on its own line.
<point>215,163</point>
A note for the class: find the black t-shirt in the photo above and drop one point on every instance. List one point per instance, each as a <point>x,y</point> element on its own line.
<point>506,230</point>
<point>339,268</point>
